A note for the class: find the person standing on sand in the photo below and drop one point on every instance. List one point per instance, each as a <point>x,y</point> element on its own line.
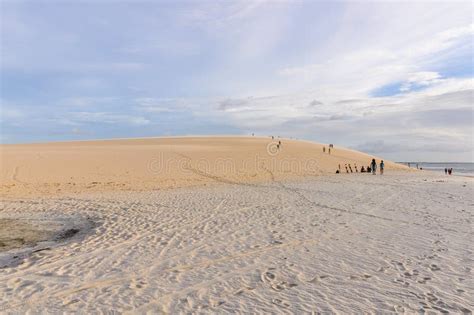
<point>382,165</point>
<point>324,149</point>
<point>329,151</point>
<point>373,166</point>
<point>446,171</point>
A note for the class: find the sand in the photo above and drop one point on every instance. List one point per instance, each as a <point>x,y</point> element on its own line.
<point>346,243</point>
<point>162,163</point>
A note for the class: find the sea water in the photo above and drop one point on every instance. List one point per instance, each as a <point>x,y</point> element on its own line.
<point>463,169</point>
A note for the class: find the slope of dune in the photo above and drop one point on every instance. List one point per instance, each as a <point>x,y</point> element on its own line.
<point>160,163</point>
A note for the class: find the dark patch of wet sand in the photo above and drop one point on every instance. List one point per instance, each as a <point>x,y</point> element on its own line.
<point>15,233</point>
<point>19,233</point>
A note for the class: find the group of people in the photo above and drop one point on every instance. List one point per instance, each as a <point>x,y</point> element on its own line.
<point>372,168</point>
<point>329,149</point>
<point>448,171</point>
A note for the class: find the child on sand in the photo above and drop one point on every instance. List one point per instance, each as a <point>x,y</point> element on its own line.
<point>382,165</point>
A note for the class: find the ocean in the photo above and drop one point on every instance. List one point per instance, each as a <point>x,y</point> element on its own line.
<point>462,169</point>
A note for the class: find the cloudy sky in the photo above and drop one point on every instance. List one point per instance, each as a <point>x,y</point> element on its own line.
<point>390,78</point>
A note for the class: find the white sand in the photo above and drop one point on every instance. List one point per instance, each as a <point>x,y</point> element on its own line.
<point>350,243</point>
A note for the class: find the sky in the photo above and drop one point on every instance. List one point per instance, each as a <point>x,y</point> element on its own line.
<point>394,79</point>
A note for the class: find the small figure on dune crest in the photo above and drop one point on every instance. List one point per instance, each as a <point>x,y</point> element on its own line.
<point>347,170</point>
<point>373,166</point>
<point>382,166</point>
<point>350,168</point>
<point>355,166</point>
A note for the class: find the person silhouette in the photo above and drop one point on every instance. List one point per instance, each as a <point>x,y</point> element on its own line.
<point>373,166</point>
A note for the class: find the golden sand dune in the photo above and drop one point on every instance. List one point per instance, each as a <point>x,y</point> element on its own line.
<point>159,163</point>
<point>347,243</point>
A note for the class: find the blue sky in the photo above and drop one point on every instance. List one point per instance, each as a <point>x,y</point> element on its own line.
<point>391,78</point>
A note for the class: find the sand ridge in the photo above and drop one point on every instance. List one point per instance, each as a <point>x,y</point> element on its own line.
<point>161,163</point>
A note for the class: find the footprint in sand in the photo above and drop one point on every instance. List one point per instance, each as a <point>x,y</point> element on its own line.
<point>268,277</point>
<point>137,284</point>
<point>318,279</point>
<point>424,280</point>
<point>280,303</point>
<point>243,290</point>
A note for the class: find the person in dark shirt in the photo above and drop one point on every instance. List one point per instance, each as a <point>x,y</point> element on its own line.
<point>373,166</point>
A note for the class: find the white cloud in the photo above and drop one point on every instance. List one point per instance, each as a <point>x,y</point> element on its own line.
<point>424,78</point>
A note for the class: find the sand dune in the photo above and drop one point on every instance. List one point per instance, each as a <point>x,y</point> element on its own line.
<point>158,163</point>
<point>248,228</point>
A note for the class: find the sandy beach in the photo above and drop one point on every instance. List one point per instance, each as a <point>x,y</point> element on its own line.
<point>156,225</point>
